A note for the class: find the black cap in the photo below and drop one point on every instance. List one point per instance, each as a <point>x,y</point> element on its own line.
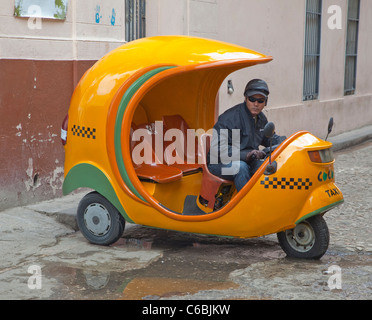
<point>256,86</point>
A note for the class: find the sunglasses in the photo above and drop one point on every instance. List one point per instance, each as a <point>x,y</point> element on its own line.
<point>259,100</point>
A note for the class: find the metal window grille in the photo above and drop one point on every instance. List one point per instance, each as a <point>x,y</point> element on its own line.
<point>351,46</point>
<point>135,19</point>
<point>312,49</point>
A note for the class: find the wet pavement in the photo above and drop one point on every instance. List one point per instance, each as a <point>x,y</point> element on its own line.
<point>55,262</point>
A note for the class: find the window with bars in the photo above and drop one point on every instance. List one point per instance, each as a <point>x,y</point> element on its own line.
<point>351,46</point>
<point>312,49</point>
<point>135,19</point>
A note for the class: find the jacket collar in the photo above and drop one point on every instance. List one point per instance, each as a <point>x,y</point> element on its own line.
<point>259,117</point>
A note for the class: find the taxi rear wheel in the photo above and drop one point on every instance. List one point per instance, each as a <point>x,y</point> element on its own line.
<point>98,220</point>
<point>308,240</point>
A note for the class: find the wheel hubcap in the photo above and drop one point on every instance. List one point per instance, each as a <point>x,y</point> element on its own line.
<point>301,238</point>
<point>97,219</point>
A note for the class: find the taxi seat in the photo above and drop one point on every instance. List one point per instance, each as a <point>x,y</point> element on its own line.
<point>212,186</point>
<point>181,161</point>
<point>147,164</point>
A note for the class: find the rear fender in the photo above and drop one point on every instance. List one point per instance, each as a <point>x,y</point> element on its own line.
<point>321,200</point>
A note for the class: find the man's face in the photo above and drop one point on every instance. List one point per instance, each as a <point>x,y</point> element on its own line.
<point>255,104</point>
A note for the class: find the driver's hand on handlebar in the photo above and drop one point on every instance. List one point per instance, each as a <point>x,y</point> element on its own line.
<point>254,155</point>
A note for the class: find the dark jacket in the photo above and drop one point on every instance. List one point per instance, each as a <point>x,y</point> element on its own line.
<point>251,134</point>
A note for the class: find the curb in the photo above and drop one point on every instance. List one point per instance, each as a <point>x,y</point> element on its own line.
<point>61,209</point>
<point>351,138</point>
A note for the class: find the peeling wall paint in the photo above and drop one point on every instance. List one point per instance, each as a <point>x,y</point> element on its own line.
<point>53,179</point>
<point>33,180</point>
<point>34,97</point>
<point>56,180</point>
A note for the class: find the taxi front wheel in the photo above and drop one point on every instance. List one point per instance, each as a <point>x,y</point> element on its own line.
<point>308,240</point>
<point>98,220</point>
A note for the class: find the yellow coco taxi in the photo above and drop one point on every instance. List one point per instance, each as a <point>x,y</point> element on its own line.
<point>137,134</point>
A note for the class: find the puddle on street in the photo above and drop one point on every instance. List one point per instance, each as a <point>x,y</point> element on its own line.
<point>190,263</point>
<point>144,284</point>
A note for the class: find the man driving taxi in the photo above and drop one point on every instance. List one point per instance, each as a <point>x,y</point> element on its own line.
<point>234,153</point>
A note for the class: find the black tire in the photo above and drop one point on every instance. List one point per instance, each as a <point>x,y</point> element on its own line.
<point>98,220</point>
<point>308,240</point>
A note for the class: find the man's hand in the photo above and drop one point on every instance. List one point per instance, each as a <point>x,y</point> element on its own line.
<point>254,155</point>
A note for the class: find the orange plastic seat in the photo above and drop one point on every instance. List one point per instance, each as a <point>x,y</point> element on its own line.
<point>211,184</point>
<point>151,169</point>
<point>159,173</point>
<point>171,156</point>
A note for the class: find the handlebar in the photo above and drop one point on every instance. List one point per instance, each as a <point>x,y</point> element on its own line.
<point>267,149</point>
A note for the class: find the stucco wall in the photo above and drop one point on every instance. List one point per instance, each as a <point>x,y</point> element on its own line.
<point>277,28</point>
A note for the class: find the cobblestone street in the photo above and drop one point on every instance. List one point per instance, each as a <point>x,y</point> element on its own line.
<point>350,224</point>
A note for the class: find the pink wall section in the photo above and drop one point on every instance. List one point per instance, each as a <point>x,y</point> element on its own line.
<point>34,99</point>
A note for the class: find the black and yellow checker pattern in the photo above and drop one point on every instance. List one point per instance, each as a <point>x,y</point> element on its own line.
<point>84,132</point>
<point>287,183</point>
